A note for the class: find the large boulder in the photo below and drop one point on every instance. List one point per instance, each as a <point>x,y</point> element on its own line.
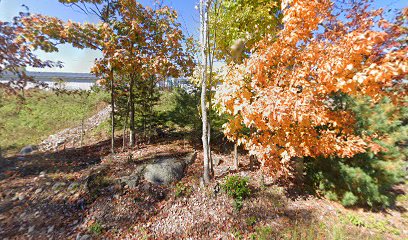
<point>166,170</point>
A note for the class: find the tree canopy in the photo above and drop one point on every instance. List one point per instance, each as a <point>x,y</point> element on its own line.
<point>285,92</point>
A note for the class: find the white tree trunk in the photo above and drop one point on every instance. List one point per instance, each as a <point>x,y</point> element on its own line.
<point>203,42</point>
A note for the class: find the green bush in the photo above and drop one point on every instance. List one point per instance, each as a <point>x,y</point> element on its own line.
<point>366,178</point>
<point>180,111</point>
<point>237,187</point>
<point>182,190</point>
<point>349,199</point>
<point>251,221</point>
<point>263,233</point>
<point>96,228</point>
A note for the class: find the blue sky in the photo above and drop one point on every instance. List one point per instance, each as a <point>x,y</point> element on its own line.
<point>81,60</point>
<point>76,60</point>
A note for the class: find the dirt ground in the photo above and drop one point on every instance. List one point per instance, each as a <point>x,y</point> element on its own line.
<point>47,196</point>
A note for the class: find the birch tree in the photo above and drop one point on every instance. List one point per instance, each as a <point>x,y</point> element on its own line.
<point>203,44</point>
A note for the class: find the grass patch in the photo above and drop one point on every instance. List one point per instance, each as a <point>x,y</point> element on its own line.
<point>41,114</point>
<point>312,229</point>
<point>263,233</point>
<point>370,223</point>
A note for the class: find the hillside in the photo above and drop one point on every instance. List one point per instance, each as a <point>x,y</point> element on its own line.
<point>209,119</point>
<point>86,193</point>
<point>41,114</point>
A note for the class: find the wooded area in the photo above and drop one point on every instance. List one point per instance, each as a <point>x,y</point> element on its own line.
<point>310,96</point>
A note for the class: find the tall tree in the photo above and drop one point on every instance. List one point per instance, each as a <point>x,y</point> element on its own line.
<point>286,89</point>
<point>148,43</point>
<point>235,28</point>
<point>204,56</point>
<point>137,43</point>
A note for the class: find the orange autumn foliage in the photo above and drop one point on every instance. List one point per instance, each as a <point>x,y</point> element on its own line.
<point>283,93</point>
<point>139,40</point>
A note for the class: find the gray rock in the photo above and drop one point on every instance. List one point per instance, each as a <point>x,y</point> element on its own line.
<point>165,171</point>
<point>131,181</point>
<point>58,186</point>
<point>31,229</point>
<point>28,150</point>
<point>50,229</point>
<point>18,196</point>
<point>216,160</point>
<point>190,158</point>
<point>85,237</point>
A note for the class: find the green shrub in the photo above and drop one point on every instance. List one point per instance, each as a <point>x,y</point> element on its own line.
<point>180,111</point>
<point>182,190</point>
<point>237,234</point>
<point>251,221</point>
<point>237,187</point>
<point>355,220</point>
<point>96,228</point>
<point>366,178</point>
<point>263,233</point>
<point>349,199</point>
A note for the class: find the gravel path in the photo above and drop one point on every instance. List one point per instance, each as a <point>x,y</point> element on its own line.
<point>73,135</point>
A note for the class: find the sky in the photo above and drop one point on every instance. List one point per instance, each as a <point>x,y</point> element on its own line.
<point>81,60</point>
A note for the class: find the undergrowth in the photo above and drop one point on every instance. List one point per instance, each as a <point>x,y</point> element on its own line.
<point>237,187</point>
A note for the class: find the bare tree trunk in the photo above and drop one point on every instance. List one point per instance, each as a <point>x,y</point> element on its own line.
<point>210,51</point>
<point>113,113</point>
<point>236,163</point>
<point>144,119</point>
<point>151,112</point>
<point>124,137</point>
<point>210,160</point>
<point>203,38</point>
<point>125,124</point>
<point>132,140</point>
